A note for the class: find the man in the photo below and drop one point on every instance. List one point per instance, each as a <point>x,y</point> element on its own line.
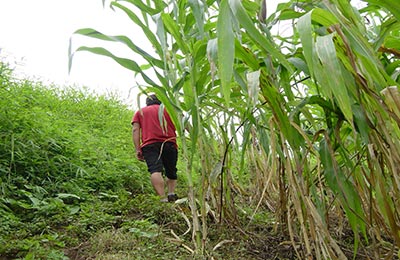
<point>154,138</point>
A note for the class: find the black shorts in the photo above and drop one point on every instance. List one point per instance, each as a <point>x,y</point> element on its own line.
<point>158,161</point>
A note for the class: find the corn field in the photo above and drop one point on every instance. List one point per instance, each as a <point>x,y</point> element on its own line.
<point>303,121</point>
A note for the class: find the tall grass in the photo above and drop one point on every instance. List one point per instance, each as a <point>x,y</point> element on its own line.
<point>306,124</point>
<point>66,166</point>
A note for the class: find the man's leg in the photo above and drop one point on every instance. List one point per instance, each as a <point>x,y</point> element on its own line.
<point>171,184</point>
<point>154,166</point>
<point>170,158</point>
<point>157,181</point>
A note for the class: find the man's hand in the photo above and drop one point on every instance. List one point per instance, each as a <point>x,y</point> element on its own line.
<point>136,140</point>
<point>139,155</point>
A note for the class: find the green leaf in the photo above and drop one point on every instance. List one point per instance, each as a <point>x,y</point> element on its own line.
<point>289,14</point>
<point>391,5</point>
<point>323,17</point>
<point>386,37</point>
<point>145,28</point>
<point>246,55</point>
<point>197,7</point>
<point>361,122</point>
<point>276,102</point>
<point>264,43</point>
<point>67,196</point>
<point>299,64</point>
<point>332,77</point>
<point>144,7</point>
<point>188,94</point>
<point>305,31</point>
<point>392,42</point>
<point>253,82</point>
<point>341,185</point>
<point>74,209</point>
<point>173,29</point>
<point>126,63</point>
<point>226,49</point>
<point>122,39</point>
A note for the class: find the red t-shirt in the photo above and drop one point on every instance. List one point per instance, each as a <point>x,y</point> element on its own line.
<point>152,130</point>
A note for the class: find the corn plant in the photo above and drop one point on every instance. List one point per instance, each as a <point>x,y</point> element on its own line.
<point>304,123</point>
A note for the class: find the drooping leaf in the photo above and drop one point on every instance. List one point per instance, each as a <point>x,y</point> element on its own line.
<point>126,63</point>
<point>198,11</point>
<point>226,49</point>
<point>144,7</point>
<point>332,77</point>
<point>305,31</point>
<point>341,185</point>
<point>122,39</point>
<point>146,30</point>
<point>392,6</point>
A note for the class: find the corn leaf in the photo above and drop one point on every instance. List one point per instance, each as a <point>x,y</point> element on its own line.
<point>122,39</point>
<point>173,28</point>
<point>265,44</point>
<point>145,28</point>
<point>305,32</point>
<point>226,49</point>
<point>126,63</point>
<point>341,185</point>
<point>197,7</point>
<point>392,6</point>
<point>144,7</point>
<point>333,78</point>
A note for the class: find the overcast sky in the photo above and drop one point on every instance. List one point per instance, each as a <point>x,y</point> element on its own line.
<point>35,34</point>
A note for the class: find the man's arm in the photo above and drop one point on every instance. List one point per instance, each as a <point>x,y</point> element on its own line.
<point>136,140</point>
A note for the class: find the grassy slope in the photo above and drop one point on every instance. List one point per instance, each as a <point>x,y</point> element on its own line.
<point>66,166</point>
<point>70,186</point>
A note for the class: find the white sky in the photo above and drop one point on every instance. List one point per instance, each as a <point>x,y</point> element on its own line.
<point>35,35</point>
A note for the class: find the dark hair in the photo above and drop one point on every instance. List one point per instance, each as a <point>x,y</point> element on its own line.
<point>152,100</point>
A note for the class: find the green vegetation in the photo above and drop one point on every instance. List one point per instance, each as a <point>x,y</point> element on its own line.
<point>71,188</point>
<point>289,142</point>
<point>66,167</point>
<point>301,121</point>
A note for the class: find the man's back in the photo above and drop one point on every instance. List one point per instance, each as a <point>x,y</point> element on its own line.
<point>154,129</point>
